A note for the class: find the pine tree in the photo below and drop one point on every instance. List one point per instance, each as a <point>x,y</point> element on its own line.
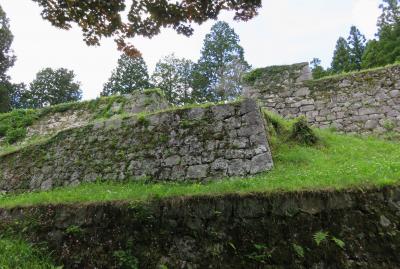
<point>356,42</point>
<point>341,57</point>
<point>129,75</point>
<point>220,56</point>
<point>174,77</point>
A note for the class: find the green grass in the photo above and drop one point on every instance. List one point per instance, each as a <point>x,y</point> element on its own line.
<point>18,254</point>
<point>338,162</point>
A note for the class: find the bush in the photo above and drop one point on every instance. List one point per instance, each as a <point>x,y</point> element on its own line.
<point>302,133</point>
<point>13,135</point>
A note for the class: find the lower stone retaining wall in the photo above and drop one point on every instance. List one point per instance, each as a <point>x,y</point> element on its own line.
<point>341,229</point>
<point>194,143</point>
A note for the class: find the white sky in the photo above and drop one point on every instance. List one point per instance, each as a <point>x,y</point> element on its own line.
<point>285,32</point>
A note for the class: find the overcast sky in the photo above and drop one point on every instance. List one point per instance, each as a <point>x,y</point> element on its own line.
<point>285,32</point>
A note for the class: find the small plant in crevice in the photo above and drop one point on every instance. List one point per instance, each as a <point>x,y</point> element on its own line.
<point>125,260</point>
<point>74,230</point>
<point>299,250</point>
<point>261,254</point>
<point>338,242</point>
<point>320,237</point>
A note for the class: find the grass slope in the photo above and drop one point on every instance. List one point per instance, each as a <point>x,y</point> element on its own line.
<point>341,162</point>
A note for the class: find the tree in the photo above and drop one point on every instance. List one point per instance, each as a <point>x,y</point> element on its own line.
<point>174,77</point>
<point>386,48</point>
<point>7,58</point>
<point>4,98</point>
<point>130,75</point>
<point>356,42</point>
<point>317,70</point>
<point>341,57</point>
<point>220,53</point>
<point>19,96</point>
<point>390,14</point>
<point>100,18</point>
<point>51,87</point>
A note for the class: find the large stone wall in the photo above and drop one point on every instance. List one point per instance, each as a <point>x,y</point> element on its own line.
<point>194,143</point>
<point>364,102</point>
<point>277,230</point>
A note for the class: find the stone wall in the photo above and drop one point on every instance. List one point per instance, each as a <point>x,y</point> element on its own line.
<point>81,113</point>
<point>212,141</point>
<point>357,228</point>
<point>363,102</point>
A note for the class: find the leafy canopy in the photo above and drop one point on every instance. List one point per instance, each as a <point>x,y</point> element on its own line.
<point>129,75</point>
<point>174,77</point>
<point>51,87</point>
<point>103,18</point>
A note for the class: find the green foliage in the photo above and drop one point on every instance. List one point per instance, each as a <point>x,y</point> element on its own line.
<point>217,75</point>
<point>253,75</point>
<point>302,133</point>
<point>261,253</point>
<point>341,61</point>
<point>125,260</point>
<point>338,242</point>
<point>51,87</point>
<point>16,253</point>
<point>15,134</point>
<point>129,75</point>
<point>101,19</point>
<point>13,124</point>
<point>386,49</point>
<point>356,42</point>
<point>7,58</point>
<point>74,230</point>
<point>174,77</point>
<point>296,130</point>
<point>320,237</point>
<point>317,70</point>
<point>298,250</point>
<point>4,98</point>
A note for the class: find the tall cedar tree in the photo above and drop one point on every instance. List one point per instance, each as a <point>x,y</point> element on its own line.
<point>51,87</point>
<point>174,77</point>
<point>356,42</point>
<point>341,57</point>
<point>129,75</point>
<point>7,60</point>
<point>386,49</point>
<point>100,18</point>
<point>221,58</point>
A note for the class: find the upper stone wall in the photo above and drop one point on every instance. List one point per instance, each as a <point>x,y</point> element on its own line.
<point>363,102</point>
<point>204,142</point>
<point>79,114</point>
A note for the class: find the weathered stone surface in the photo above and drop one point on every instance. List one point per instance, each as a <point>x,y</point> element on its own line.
<point>147,101</point>
<point>363,100</point>
<point>222,231</point>
<point>194,143</point>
